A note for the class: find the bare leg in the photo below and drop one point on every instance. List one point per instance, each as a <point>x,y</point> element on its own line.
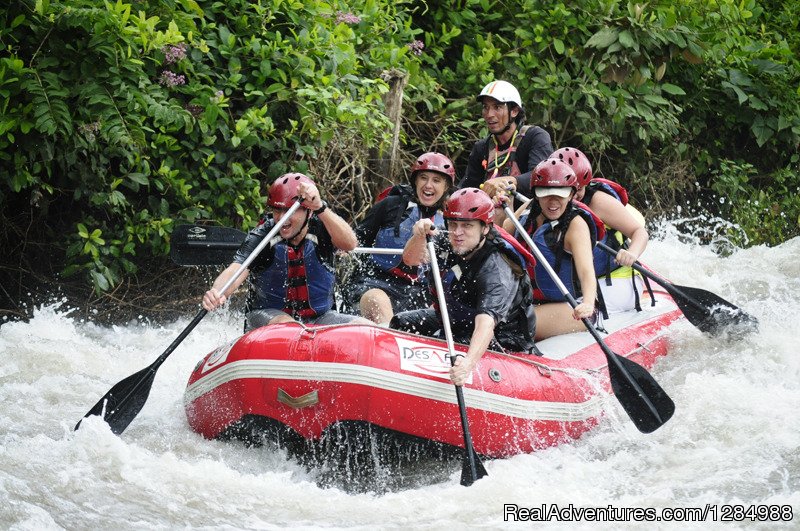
<point>283,318</point>
<point>554,318</point>
<point>376,306</point>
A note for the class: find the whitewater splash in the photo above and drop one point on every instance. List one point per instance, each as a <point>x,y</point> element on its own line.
<point>734,439</point>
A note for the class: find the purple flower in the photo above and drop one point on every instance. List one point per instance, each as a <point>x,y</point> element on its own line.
<point>347,18</point>
<point>416,47</point>
<point>174,53</point>
<point>171,79</point>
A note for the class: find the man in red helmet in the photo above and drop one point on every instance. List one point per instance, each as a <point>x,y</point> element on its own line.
<point>487,290</point>
<point>294,276</point>
<point>383,284</point>
<point>506,157</point>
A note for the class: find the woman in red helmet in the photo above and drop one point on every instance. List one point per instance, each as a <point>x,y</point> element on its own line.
<point>293,278</point>
<point>487,290</point>
<point>385,285</point>
<point>565,233</point>
<point>620,285</point>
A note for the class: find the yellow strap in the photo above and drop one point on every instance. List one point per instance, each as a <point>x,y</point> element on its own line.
<point>497,153</point>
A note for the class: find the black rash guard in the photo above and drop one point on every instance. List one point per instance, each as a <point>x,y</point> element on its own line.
<point>493,289</point>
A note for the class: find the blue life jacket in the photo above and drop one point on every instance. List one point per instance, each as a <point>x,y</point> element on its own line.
<point>395,237</point>
<point>271,283</point>
<point>549,239</point>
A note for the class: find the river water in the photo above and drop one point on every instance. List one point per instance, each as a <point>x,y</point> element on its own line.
<point>734,439</point>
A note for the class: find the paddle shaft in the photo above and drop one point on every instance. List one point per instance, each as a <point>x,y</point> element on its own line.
<point>707,311</point>
<point>670,287</point>
<point>188,249</point>
<point>469,452</point>
<point>236,245</point>
<point>610,355</point>
<point>376,250</point>
<point>241,269</point>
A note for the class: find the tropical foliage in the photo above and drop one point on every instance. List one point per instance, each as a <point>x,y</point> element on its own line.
<point>119,120</point>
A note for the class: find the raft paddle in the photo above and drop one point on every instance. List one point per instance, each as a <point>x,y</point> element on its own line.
<point>708,312</point>
<point>120,405</point>
<point>646,403</point>
<point>201,245</point>
<point>472,469</point>
<point>197,245</point>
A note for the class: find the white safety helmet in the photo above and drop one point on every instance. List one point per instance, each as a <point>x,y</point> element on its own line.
<point>502,91</point>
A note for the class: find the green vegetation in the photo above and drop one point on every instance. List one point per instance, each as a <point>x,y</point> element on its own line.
<point>119,120</point>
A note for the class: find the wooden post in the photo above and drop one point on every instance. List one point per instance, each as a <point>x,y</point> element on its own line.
<point>386,166</point>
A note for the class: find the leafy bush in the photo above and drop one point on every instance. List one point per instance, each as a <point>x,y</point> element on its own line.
<point>655,93</point>
<point>128,117</point>
<point>120,119</point>
<point>766,212</point>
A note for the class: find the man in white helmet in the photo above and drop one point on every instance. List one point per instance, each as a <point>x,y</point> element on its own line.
<point>512,150</point>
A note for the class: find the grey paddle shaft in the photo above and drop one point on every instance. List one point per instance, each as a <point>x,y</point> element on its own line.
<point>612,357</point>
<point>472,469</point>
<point>437,280</point>
<point>376,250</point>
<point>120,405</point>
<point>260,247</point>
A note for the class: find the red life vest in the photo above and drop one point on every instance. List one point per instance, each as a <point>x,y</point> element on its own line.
<point>618,189</point>
<point>297,301</point>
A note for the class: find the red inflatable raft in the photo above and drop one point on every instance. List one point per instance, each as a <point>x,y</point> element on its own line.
<point>290,381</point>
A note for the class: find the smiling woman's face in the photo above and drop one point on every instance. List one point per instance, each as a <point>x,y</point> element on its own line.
<point>553,206</point>
<point>430,186</point>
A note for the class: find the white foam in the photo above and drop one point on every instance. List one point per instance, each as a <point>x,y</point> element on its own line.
<point>734,437</point>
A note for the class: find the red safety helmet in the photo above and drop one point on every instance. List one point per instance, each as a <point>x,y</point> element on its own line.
<point>553,173</point>
<point>580,164</point>
<point>283,192</point>
<point>469,203</point>
<point>432,161</point>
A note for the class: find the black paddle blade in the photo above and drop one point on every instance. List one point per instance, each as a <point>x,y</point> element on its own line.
<point>713,314</point>
<point>467,476</point>
<point>197,245</point>
<point>646,403</point>
<point>120,405</point>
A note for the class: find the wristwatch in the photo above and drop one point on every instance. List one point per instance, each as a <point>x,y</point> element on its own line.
<point>321,209</point>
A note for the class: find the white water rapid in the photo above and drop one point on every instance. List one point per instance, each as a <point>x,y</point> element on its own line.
<point>734,439</point>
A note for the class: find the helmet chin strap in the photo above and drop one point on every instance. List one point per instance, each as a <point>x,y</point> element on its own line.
<point>503,131</point>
